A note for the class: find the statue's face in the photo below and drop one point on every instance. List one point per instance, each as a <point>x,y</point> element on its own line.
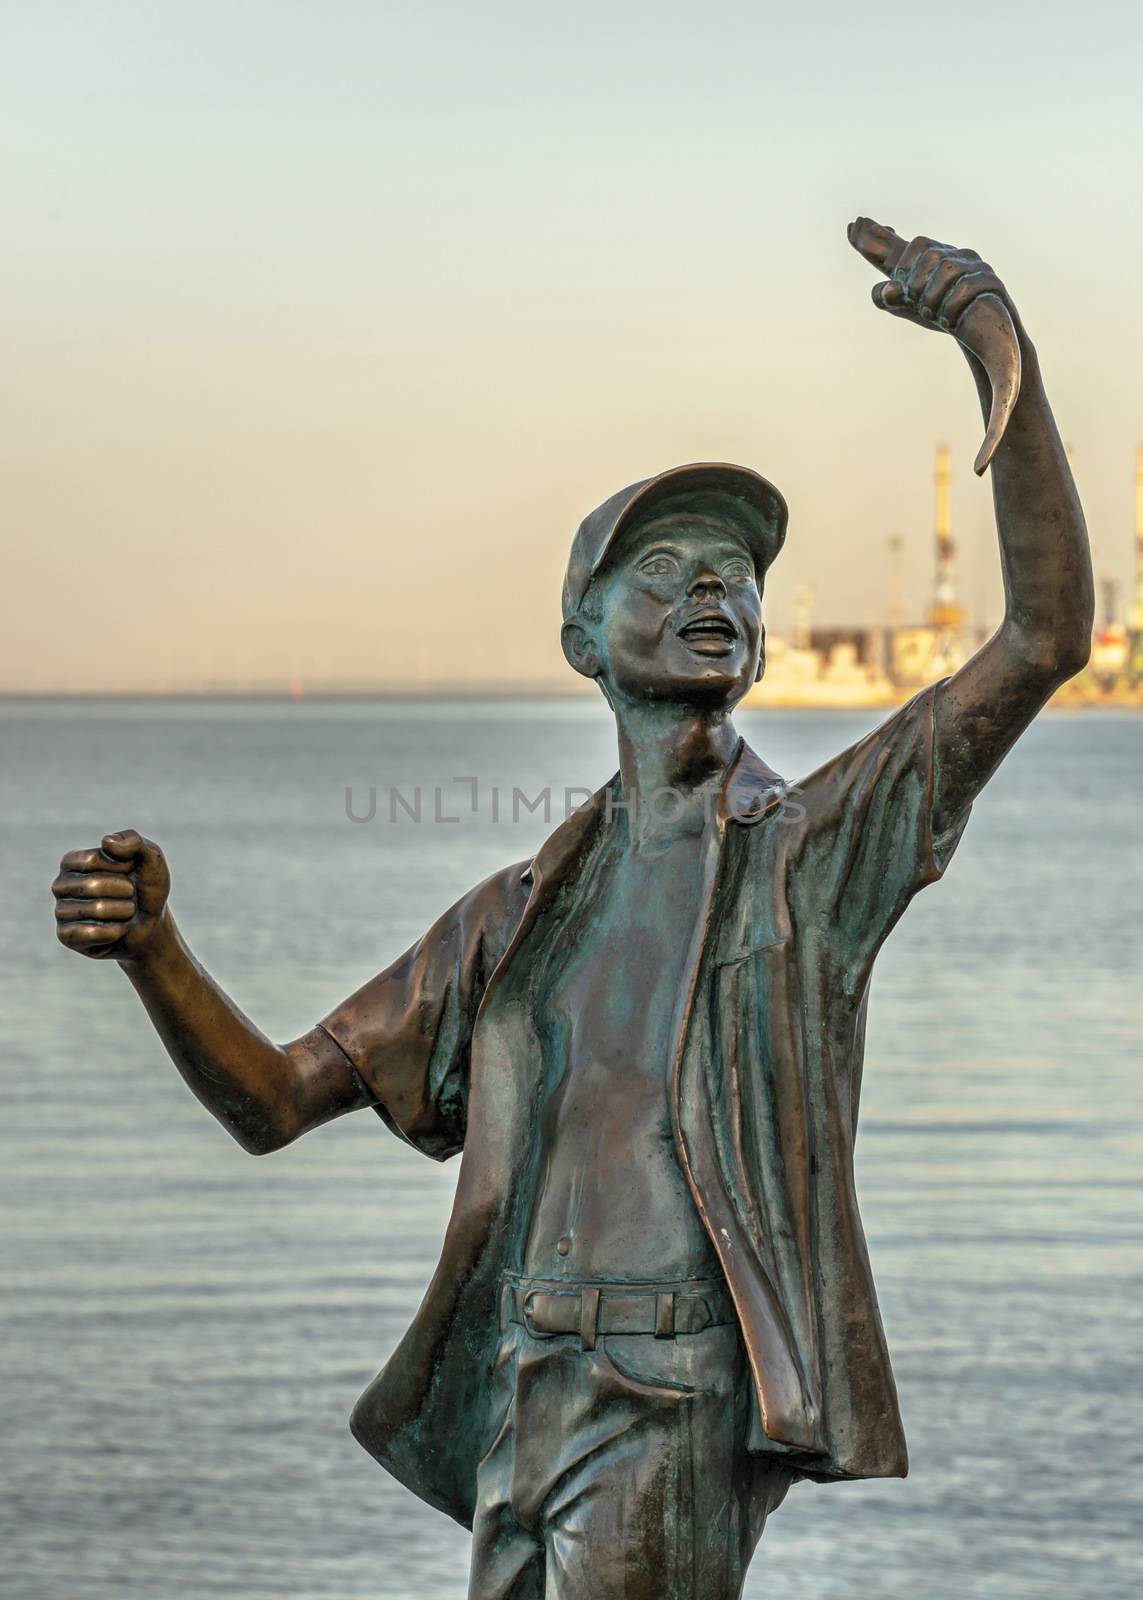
<point>682,614</point>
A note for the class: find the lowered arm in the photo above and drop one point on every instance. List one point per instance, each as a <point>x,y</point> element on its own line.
<point>111,904</point>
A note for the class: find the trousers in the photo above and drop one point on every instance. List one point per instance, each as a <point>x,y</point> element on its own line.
<point>620,1472</point>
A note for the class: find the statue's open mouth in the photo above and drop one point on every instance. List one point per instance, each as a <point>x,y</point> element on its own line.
<point>712,634</point>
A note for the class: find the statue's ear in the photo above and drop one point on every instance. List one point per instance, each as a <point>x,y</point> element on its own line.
<point>761,653</point>
<point>580,649</point>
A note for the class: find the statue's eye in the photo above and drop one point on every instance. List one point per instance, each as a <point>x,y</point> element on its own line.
<point>738,571</point>
<point>658,566</point>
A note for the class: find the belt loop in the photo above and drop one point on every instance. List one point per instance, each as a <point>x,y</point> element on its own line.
<point>588,1317</point>
<point>507,1293</point>
<point>665,1315</point>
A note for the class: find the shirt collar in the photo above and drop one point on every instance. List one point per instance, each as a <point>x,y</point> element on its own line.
<point>750,791</point>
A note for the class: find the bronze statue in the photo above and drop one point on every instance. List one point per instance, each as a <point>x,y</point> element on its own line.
<point>654,1310</point>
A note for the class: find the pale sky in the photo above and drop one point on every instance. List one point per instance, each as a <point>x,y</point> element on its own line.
<point>324,325</point>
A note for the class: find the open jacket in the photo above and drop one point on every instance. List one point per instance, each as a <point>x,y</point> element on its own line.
<point>800,887</point>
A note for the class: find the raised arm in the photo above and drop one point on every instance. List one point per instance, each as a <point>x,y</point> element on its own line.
<point>1045,637</point>
<point>111,903</point>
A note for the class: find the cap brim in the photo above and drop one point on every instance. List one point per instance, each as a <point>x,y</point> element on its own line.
<point>740,482</point>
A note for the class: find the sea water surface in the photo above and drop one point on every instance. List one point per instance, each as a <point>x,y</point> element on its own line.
<point>185,1328</point>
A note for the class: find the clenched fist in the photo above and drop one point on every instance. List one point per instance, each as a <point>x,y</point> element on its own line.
<point>110,901</point>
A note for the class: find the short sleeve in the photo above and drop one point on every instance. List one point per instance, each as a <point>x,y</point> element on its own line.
<point>869,844</point>
<point>407,1032</point>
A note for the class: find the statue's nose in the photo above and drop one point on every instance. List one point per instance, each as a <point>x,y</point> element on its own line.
<point>707,582</point>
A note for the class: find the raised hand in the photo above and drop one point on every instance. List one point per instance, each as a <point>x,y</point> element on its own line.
<point>110,901</point>
<point>950,290</point>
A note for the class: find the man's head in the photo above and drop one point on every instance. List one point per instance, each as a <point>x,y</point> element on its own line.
<point>662,600</point>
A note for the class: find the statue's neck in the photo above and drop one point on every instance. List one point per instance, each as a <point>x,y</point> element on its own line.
<point>670,759</point>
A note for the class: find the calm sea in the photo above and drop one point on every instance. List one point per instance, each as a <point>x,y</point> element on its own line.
<point>185,1328</point>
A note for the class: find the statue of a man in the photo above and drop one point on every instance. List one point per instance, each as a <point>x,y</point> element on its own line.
<point>653,1310</point>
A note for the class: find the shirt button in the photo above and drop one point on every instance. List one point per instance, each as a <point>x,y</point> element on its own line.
<point>564,1245</point>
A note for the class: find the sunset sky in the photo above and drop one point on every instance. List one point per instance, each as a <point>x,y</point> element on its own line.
<point>325,324</point>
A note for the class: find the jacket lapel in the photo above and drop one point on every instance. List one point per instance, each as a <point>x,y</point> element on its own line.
<point>700,1095</point>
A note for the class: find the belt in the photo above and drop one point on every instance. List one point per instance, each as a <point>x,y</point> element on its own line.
<point>548,1309</point>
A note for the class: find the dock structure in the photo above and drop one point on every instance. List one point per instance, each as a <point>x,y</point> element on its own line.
<point>946,614</point>
<point>850,664</point>
<point>1134,667</point>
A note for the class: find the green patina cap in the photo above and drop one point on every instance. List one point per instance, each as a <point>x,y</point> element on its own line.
<point>746,499</point>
